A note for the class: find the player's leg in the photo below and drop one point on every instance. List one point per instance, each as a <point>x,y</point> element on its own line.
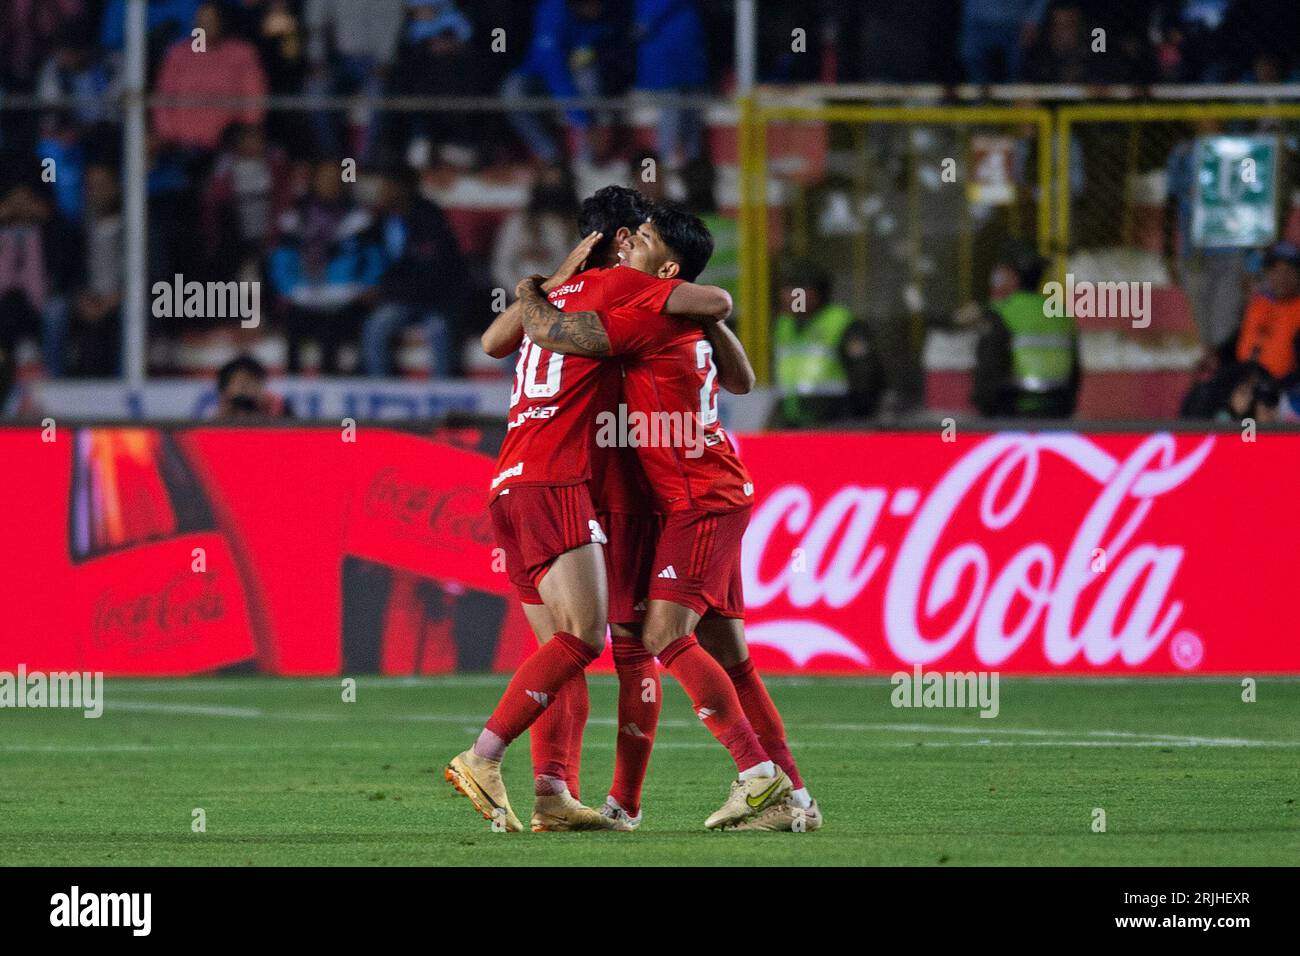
<point>724,639</point>
<point>556,736</point>
<point>640,697</point>
<point>552,544</point>
<point>629,557</point>
<point>759,782</point>
<point>697,559</point>
<point>575,594</point>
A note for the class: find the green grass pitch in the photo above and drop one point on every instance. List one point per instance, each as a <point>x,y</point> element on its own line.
<point>289,774</point>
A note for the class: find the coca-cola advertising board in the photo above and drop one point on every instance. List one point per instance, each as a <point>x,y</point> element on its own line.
<point>294,551</point>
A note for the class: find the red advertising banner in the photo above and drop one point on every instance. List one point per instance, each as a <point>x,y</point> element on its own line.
<point>293,551</point>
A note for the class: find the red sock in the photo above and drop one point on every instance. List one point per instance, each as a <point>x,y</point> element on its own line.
<point>577,707</point>
<point>764,716</point>
<point>552,734</point>
<point>639,700</point>
<point>714,699</point>
<point>536,682</point>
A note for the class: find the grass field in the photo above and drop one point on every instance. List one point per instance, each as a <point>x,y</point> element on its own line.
<point>288,774</point>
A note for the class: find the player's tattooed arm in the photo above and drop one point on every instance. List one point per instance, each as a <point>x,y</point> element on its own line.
<point>735,374</point>
<point>507,330</point>
<point>571,333</point>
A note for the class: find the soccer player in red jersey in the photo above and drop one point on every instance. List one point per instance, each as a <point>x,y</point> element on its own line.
<point>705,495</point>
<point>543,518</point>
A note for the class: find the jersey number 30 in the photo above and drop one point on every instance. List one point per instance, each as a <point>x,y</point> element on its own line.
<point>530,357</point>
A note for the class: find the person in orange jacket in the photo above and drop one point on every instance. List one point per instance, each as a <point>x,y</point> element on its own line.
<point>1270,331</point>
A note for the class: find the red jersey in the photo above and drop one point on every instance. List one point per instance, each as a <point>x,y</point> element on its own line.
<point>670,391</point>
<point>551,429</point>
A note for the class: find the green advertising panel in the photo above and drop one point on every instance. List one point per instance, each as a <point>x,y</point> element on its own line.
<point>1236,191</point>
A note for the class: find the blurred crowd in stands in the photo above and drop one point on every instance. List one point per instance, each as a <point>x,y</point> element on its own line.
<point>242,191</point>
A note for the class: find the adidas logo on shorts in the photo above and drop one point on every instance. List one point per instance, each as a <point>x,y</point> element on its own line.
<point>668,572</point>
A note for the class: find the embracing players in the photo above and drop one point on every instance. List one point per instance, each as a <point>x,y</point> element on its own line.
<point>702,490</point>
<point>544,519</point>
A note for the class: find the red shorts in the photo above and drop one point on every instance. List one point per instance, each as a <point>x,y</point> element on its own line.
<point>629,556</point>
<point>535,524</point>
<point>697,561</point>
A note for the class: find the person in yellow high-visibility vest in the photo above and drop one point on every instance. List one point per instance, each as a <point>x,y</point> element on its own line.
<point>825,362</point>
<point>1026,358</point>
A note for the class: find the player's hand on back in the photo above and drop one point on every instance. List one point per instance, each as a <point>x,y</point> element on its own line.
<point>529,285</point>
<point>572,263</point>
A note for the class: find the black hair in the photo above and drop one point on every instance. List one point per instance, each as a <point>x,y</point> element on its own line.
<point>607,211</point>
<point>686,236</point>
<point>1028,266</point>
<point>240,363</point>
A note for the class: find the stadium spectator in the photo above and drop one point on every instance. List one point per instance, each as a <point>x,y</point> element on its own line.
<point>280,35</point>
<point>228,67</point>
<point>1248,391</point>
<point>38,259</point>
<point>670,58</point>
<point>573,42</point>
<point>1063,53</point>
<point>994,35</point>
<point>423,275</point>
<point>324,269</point>
<point>1026,360</point>
<point>174,244</point>
<point>60,142</point>
<point>533,240</point>
<point>74,70</point>
<point>1270,331</point>
<point>723,270</point>
<point>244,197</point>
<point>94,310</point>
<point>242,391</point>
<point>817,344</point>
<point>29,32</point>
<point>350,48</point>
<point>166,20</point>
<point>435,59</point>
<point>647,175</point>
<point>1214,277</point>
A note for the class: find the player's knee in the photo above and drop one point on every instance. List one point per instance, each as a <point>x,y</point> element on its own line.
<point>585,627</point>
<point>655,641</point>
<point>725,654</point>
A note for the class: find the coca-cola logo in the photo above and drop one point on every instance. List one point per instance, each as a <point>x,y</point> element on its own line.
<point>429,511</point>
<point>940,592</point>
<point>172,614</point>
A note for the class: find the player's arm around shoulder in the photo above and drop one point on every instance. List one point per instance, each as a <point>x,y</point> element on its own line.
<point>505,333</point>
<point>735,373</point>
<point>705,303</point>
<point>570,333</point>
